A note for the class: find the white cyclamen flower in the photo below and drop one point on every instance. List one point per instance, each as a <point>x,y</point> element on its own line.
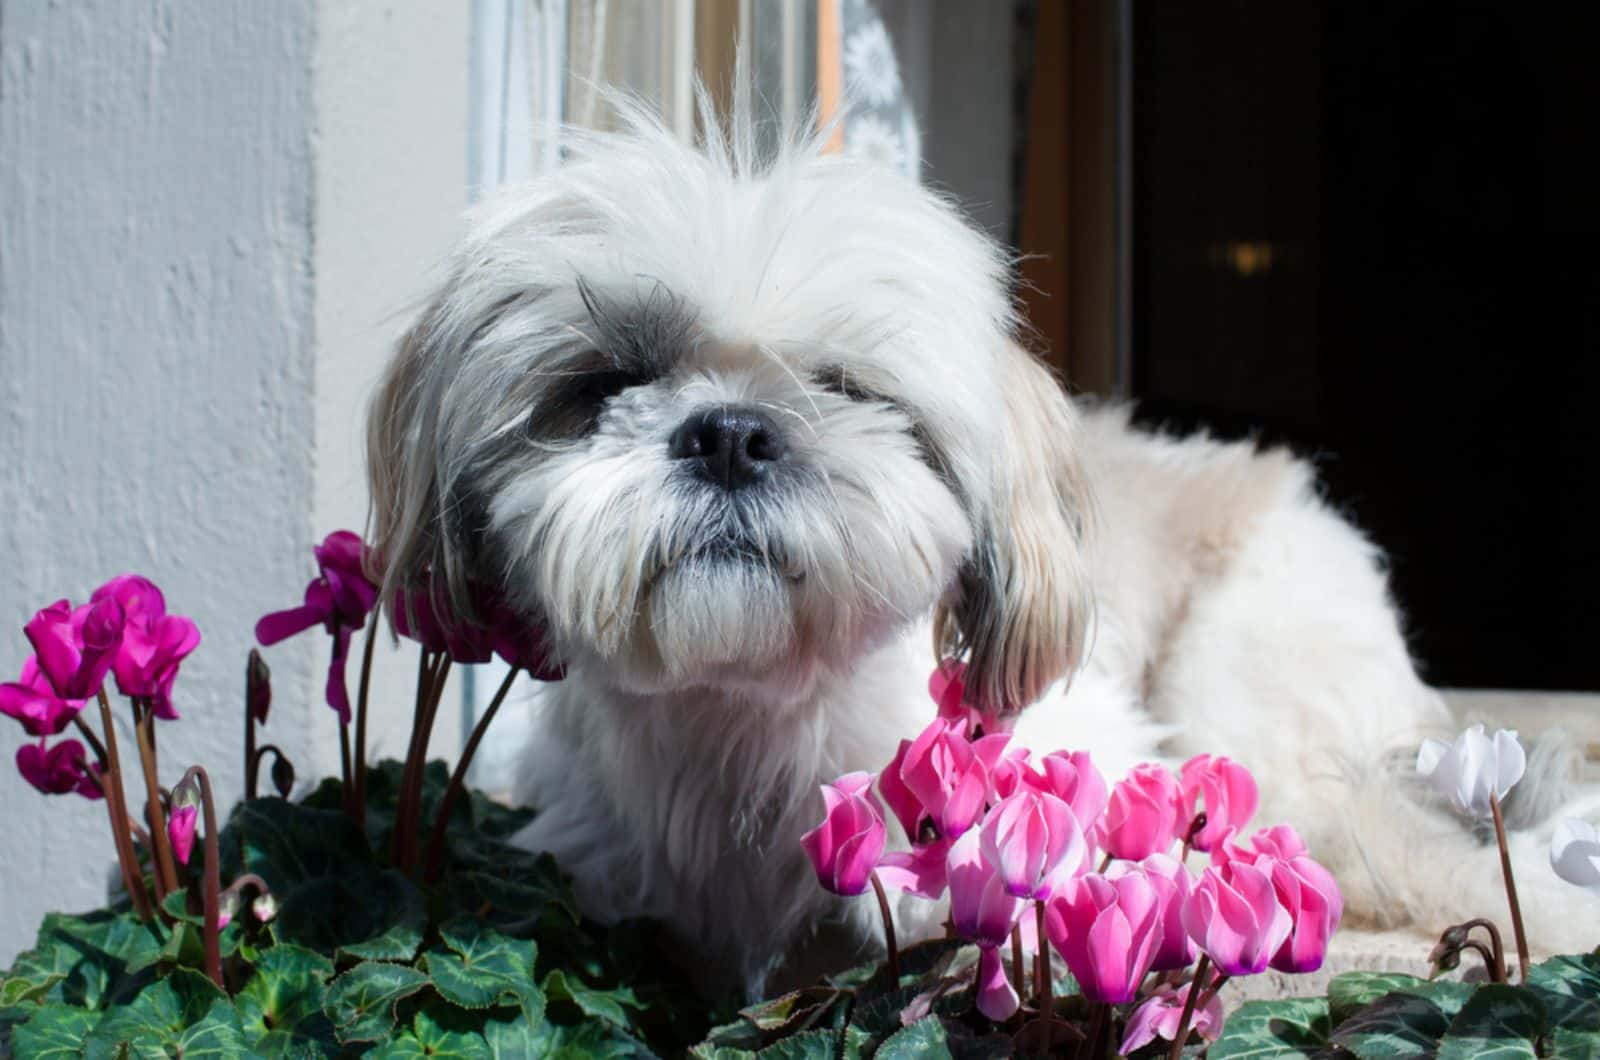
<point>1575,853</point>
<point>1476,766</point>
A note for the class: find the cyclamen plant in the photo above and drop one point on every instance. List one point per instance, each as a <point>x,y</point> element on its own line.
<point>1035,853</point>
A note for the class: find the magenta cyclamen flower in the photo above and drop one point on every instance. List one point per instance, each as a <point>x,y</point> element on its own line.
<point>339,599</point>
<point>1235,917</point>
<point>1159,1017</point>
<point>154,643</point>
<point>77,646</point>
<point>180,830</point>
<point>980,906</point>
<point>1069,776</point>
<point>846,846</point>
<point>1035,842</point>
<point>33,701</point>
<point>499,631</point>
<point>949,774</point>
<point>1314,904</point>
<point>1108,931</point>
<point>1172,882</point>
<point>1223,790</point>
<point>1142,814</point>
<point>947,686</point>
<point>59,769</point>
<point>982,910</point>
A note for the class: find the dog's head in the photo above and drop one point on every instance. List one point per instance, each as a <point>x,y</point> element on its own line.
<point>727,423</point>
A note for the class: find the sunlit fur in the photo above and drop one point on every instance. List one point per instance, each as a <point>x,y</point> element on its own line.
<point>729,652</point>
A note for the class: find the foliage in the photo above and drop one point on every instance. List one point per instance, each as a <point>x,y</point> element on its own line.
<point>492,961</point>
<point>1370,1015</point>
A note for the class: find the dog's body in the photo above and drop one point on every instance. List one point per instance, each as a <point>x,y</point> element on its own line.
<point>756,444</point>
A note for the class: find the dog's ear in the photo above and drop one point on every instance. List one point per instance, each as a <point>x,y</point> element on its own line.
<point>1020,611</point>
<point>404,536</point>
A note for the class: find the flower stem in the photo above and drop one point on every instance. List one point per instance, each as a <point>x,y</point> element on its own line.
<point>1511,885</point>
<point>458,781</point>
<point>252,763</point>
<point>888,929</point>
<point>212,888</point>
<point>117,806</point>
<point>94,741</point>
<point>1041,977</point>
<point>425,662</point>
<point>164,869</point>
<point>1496,943</point>
<point>1097,1024</point>
<point>1195,986</point>
<point>1019,971</point>
<point>361,723</point>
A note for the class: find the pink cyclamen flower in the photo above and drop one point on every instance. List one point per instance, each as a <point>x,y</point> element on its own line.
<point>1108,930</point>
<point>1172,882</point>
<point>154,643</point>
<point>33,701</point>
<point>1070,776</point>
<point>180,830</point>
<point>1234,916</point>
<point>949,775</point>
<point>980,906</point>
<point>1314,904</point>
<point>1142,814</point>
<point>947,687</point>
<point>1034,841</point>
<point>1280,841</point>
<point>59,769</point>
<point>1160,1016</point>
<point>846,846</point>
<point>1223,790</point>
<point>77,646</point>
<point>983,911</point>
<point>339,599</point>
<point>920,871</point>
<point>997,998</point>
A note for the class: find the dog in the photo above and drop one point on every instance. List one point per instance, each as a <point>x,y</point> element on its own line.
<point>754,438</point>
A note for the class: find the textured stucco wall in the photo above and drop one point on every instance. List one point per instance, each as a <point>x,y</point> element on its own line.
<point>157,347</point>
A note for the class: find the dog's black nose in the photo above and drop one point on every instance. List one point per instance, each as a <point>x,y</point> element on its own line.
<point>732,445</point>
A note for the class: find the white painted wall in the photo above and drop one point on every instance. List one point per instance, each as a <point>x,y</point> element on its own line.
<point>212,216</point>
<point>391,182</point>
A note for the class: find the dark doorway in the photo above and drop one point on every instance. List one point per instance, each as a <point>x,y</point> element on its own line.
<point>1369,231</point>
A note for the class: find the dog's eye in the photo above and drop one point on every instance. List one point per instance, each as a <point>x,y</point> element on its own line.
<point>572,406</point>
<point>836,380</point>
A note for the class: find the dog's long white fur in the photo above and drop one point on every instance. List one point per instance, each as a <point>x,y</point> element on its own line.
<point>943,485</point>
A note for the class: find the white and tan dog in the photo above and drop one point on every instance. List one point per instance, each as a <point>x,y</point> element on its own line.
<point>757,442</point>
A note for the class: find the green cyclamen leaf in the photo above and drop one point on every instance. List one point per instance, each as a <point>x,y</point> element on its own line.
<point>523,1034</point>
<point>1500,1022</point>
<point>89,958</point>
<point>282,1002</point>
<point>482,967</point>
<point>361,1002</point>
<point>438,1031</point>
<point>924,1038</point>
<point>53,1033</point>
<point>1274,1030</point>
<point>1352,991</point>
<point>1395,1026</point>
<point>1569,987</point>
<point>607,1005</point>
<point>184,1014</point>
<point>811,1045</point>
